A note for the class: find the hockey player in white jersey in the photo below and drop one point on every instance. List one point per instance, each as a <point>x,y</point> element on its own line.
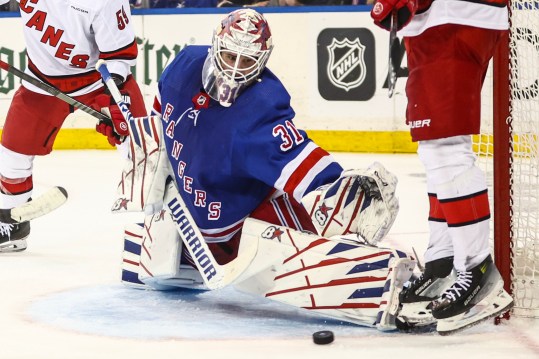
<point>449,45</point>
<point>64,41</point>
<point>235,194</point>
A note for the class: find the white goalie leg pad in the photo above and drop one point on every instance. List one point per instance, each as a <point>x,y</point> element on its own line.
<point>338,279</point>
<point>160,257</point>
<point>143,181</point>
<point>360,202</point>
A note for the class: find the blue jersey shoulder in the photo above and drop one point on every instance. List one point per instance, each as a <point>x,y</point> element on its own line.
<point>267,94</point>
<point>185,70</point>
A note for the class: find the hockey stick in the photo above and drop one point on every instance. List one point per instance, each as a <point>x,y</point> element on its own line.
<point>215,275</point>
<point>101,66</point>
<point>42,205</point>
<point>55,92</point>
<point>393,51</point>
<point>60,95</point>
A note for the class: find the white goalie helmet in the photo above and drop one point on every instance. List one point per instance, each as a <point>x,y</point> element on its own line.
<point>240,50</point>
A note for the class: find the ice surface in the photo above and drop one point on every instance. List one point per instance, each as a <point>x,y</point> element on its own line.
<point>62,298</point>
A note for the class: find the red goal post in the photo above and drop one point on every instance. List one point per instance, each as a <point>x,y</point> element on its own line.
<point>508,149</point>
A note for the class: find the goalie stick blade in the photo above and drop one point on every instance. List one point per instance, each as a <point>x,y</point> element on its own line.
<point>42,205</point>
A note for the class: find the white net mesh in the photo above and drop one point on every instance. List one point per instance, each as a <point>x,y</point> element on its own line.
<point>524,64</point>
<point>524,121</point>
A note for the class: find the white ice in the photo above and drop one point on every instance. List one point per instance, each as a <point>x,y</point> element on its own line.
<point>61,298</point>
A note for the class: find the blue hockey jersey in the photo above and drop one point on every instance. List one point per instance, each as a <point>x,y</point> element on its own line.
<point>228,160</point>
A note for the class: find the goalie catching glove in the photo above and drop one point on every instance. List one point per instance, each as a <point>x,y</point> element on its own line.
<point>360,202</point>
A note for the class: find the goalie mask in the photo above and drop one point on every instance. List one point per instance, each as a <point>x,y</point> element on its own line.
<point>240,50</point>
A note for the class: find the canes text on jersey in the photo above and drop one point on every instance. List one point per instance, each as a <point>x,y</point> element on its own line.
<point>52,36</point>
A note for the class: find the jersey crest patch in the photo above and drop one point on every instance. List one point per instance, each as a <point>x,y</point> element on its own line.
<point>201,100</point>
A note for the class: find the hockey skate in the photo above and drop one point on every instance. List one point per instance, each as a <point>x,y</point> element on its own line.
<point>415,299</point>
<point>476,296</point>
<point>13,236</point>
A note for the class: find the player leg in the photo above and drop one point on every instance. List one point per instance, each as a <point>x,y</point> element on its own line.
<point>442,122</point>
<point>15,189</point>
<point>28,131</point>
<point>438,272</point>
<point>462,195</point>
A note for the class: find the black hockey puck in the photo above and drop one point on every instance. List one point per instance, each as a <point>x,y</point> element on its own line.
<point>323,337</point>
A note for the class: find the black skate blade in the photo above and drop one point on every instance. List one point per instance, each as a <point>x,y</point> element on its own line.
<point>473,324</point>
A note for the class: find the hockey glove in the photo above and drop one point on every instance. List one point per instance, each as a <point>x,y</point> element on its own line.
<point>361,201</point>
<point>115,130</point>
<point>382,9</point>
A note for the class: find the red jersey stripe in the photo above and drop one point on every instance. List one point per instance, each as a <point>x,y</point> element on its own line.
<point>299,174</point>
<point>128,52</point>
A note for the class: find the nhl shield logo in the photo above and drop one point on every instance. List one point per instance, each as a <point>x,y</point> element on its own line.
<point>346,66</point>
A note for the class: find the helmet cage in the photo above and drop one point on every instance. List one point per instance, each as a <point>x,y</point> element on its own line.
<point>240,49</point>
<point>223,47</point>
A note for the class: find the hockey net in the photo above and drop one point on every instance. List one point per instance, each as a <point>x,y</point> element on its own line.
<point>508,149</point>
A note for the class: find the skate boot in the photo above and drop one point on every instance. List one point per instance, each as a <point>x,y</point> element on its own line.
<point>476,295</point>
<point>13,236</point>
<point>415,299</point>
